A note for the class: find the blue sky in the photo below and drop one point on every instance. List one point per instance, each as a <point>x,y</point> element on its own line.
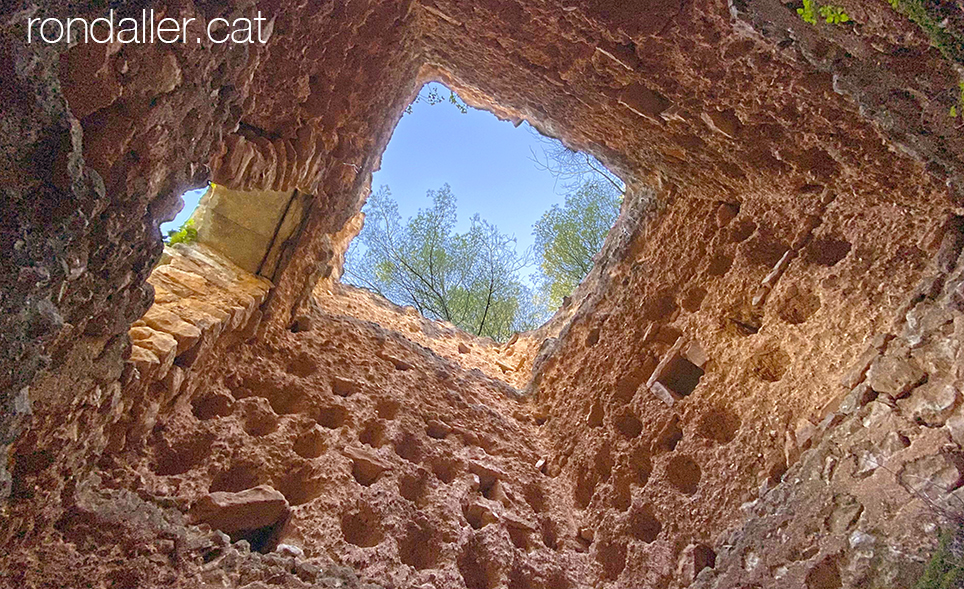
<point>191,199</point>
<point>487,162</point>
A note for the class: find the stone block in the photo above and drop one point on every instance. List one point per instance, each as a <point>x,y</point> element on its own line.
<point>857,398</point>
<point>245,510</point>
<point>933,475</point>
<point>694,559</point>
<point>856,374</point>
<point>192,282</point>
<point>197,314</point>
<point>241,224</point>
<point>163,320</point>
<point>144,360</point>
<point>955,424</point>
<point>290,550</point>
<point>140,332</point>
<point>894,376</point>
<point>174,380</point>
<point>163,345</point>
<point>804,433</point>
<point>931,404</point>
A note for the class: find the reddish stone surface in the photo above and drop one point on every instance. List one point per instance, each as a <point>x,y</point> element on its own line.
<point>767,344</point>
<point>249,509</point>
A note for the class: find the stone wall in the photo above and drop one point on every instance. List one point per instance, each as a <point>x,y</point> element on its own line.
<point>250,228</point>
<point>100,141</point>
<point>201,301</point>
<point>787,229</point>
<point>510,361</point>
<point>703,354</point>
<point>880,475</point>
<point>414,470</point>
<point>408,464</point>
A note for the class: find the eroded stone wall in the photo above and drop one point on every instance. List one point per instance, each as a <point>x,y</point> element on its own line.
<point>100,140</point>
<point>765,305</point>
<point>880,476</point>
<point>787,229</point>
<point>414,470</point>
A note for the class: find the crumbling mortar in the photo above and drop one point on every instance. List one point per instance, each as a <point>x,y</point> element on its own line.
<point>813,222</point>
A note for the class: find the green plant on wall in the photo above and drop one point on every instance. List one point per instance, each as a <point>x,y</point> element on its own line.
<point>435,95</point>
<point>944,570</point>
<point>186,234</point>
<point>834,15</point>
<point>927,16</point>
<point>959,107</point>
<point>808,13</point>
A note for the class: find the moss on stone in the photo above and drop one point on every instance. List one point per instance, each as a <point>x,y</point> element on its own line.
<point>945,570</point>
<point>930,17</point>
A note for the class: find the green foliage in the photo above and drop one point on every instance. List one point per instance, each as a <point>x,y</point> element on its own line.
<point>959,107</point>
<point>568,236</point>
<point>944,570</point>
<point>834,15</point>
<point>808,13</point>
<point>470,279</point>
<point>434,96</point>
<point>935,24</point>
<point>186,234</point>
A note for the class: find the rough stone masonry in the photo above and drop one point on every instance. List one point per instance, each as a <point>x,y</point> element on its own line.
<point>758,385</point>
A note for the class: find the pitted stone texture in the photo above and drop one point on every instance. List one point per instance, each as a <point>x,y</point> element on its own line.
<point>98,142</point>
<point>415,470</point>
<point>164,551</point>
<point>863,506</point>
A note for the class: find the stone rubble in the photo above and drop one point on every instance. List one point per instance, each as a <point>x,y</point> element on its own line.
<point>757,384</point>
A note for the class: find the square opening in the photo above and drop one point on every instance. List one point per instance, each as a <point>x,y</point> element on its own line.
<point>678,374</point>
<point>681,376</point>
